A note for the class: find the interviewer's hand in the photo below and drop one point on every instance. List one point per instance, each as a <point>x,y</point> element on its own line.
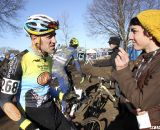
<point>122,59</point>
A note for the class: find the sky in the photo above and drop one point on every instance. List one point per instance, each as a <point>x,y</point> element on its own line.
<point>75,9</point>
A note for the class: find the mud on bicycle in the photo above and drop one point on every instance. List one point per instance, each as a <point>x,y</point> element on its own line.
<point>90,105</point>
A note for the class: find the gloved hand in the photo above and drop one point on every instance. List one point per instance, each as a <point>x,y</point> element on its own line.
<point>70,96</point>
<point>28,125</point>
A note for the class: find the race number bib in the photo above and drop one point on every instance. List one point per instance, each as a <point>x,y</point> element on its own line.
<point>9,86</point>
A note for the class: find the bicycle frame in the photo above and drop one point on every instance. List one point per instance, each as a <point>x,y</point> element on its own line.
<point>88,102</point>
<point>108,92</point>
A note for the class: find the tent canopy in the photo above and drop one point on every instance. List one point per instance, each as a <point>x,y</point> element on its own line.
<point>91,51</point>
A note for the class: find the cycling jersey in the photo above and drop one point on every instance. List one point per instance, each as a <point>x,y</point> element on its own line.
<point>63,57</point>
<point>21,79</point>
<point>37,104</point>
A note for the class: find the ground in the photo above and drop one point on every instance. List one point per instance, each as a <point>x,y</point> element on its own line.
<point>110,113</point>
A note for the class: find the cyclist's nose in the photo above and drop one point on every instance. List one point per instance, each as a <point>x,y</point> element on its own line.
<point>54,40</point>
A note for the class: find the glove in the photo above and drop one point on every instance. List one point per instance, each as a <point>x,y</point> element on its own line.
<point>28,125</point>
<point>70,96</point>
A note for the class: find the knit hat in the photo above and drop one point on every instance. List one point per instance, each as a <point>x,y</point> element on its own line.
<point>114,40</point>
<point>150,20</point>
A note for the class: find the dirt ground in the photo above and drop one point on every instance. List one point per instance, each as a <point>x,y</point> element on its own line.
<point>110,113</point>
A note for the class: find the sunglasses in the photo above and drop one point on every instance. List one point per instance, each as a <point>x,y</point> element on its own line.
<point>54,25</point>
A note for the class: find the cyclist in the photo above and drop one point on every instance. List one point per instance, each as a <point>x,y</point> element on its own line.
<point>35,110</point>
<point>62,58</point>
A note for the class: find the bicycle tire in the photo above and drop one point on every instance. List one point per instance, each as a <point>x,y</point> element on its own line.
<point>91,123</point>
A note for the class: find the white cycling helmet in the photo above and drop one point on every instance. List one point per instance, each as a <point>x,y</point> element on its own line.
<point>40,24</point>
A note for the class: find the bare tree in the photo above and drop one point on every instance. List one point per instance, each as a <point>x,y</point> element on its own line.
<point>111,17</point>
<point>9,13</point>
<point>65,27</point>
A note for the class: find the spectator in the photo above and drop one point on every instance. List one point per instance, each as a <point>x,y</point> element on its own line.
<point>114,43</point>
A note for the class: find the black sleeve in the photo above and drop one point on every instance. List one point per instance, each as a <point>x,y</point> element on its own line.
<point>11,79</point>
<point>113,56</point>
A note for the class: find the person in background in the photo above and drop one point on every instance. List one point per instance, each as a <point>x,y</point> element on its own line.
<point>62,59</point>
<point>114,43</point>
<point>141,87</point>
<point>35,109</point>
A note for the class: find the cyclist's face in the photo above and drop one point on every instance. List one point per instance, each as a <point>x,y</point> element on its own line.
<point>48,43</point>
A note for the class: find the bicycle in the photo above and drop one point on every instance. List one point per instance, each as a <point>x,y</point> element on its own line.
<point>88,108</point>
<point>79,108</point>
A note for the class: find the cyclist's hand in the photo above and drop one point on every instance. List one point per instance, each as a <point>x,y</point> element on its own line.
<point>71,96</point>
<point>28,125</point>
<point>44,78</point>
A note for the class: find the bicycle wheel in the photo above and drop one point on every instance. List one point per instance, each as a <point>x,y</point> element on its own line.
<point>91,123</point>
